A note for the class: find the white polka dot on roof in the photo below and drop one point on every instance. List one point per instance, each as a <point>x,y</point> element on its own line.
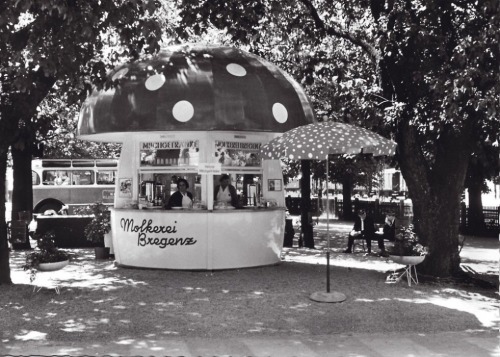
<point>155,82</point>
<point>280,113</point>
<point>183,111</point>
<point>236,70</point>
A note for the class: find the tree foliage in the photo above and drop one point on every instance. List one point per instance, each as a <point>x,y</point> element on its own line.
<point>425,72</point>
<point>62,45</point>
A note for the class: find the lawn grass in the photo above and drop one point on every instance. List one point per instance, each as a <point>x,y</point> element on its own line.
<point>100,302</point>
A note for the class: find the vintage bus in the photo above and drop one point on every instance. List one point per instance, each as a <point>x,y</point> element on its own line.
<point>72,183</point>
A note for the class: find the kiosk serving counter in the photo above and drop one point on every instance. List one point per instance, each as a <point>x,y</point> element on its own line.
<point>196,112</point>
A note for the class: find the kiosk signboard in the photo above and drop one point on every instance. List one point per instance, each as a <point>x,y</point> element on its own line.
<point>237,153</point>
<point>169,153</point>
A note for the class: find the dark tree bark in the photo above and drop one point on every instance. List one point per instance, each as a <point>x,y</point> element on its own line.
<point>18,107</point>
<point>305,204</point>
<point>346,197</point>
<point>436,212</point>
<point>483,165</point>
<point>22,193</point>
<point>475,213</point>
<point>4,247</point>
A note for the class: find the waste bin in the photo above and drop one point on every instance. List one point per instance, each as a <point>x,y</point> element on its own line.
<point>289,233</point>
<point>25,216</point>
<point>18,232</point>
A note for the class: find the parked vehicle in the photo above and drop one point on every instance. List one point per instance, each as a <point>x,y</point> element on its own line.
<point>59,183</point>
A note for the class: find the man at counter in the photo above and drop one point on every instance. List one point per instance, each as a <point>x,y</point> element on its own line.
<point>225,192</point>
<point>181,198</point>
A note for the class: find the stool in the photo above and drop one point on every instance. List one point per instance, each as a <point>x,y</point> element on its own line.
<point>410,269</point>
<point>50,284</point>
<point>410,272</point>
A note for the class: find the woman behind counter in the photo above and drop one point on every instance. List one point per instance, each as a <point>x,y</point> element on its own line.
<point>181,198</point>
<point>225,192</point>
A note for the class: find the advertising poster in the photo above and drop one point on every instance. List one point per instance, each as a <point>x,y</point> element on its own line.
<point>235,153</point>
<point>169,153</point>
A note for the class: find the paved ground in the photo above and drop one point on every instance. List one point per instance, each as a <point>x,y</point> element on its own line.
<point>275,316</point>
<point>456,344</point>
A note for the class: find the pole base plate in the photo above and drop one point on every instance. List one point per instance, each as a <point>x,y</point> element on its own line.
<point>333,296</point>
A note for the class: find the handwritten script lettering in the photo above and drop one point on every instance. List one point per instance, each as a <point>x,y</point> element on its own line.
<point>146,228</point>
<point>143,240</point>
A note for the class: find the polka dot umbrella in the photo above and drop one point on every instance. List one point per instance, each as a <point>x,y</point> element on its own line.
<point>316,142</point>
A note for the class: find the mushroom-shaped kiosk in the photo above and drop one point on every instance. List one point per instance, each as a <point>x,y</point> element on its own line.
<point>196,112</point>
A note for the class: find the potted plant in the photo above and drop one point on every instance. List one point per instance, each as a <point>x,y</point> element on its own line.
<point>407,249</point>
<point>46,257</point>
<point>97,228</point>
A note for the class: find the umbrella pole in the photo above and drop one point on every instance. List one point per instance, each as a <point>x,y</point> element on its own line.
<point>327,232</point>
<point>333,296</point>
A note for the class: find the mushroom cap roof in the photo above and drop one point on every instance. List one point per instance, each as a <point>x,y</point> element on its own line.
<point>195,88</point>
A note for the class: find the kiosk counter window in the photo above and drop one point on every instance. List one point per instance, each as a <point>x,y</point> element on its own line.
<point>156,188</point>
<point>248,188</point>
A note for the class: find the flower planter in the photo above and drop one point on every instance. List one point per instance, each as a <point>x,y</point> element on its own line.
<point>108,242</point>
<point>52,266</point>
<point>101,252</point>
<point>407,260</point>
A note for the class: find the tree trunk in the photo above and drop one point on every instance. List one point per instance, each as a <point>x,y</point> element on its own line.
<point>4,247</point>
<point>305,204</point>
<point>346,198</point>
<point>22,194</point>
<point>436,196</point>
<point>475,213</point>
<point>439,228</point>
<point>13,107</point>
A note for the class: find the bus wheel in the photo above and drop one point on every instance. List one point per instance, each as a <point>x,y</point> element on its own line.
<point>46,208</point>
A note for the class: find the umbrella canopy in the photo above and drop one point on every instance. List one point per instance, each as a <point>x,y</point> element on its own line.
<point>316,141</point>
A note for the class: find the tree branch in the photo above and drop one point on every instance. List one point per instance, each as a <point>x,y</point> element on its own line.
<point>330,31</point>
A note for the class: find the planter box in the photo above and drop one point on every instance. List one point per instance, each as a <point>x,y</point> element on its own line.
<point>407,260</point>
<point>69,230</point>
<point>52,266</point>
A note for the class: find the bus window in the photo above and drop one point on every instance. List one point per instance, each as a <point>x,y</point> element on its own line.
<point>106,177</point>
<point>83,177</point>
<point>83,163</point>
<point>107,163</point>
<point>56,163</point>
<point>35,178</point>
<point>54,177</point>
<point>48,177</point>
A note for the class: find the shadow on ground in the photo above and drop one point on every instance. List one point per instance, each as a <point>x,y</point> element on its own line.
<point>100,302</point>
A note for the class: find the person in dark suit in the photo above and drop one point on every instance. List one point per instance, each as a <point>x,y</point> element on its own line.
<point>389,230</point>
<point>364,228</point>
<point>181,198</point>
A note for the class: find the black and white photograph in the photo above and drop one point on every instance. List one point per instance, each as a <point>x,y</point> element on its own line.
<point>249,178</point>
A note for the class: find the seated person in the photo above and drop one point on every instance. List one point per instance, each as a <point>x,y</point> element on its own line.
<point>58,180</point>
<point>225,192</point>
<point>389,230</point>
<point>65,180</point>
<point>364,228</point>
<point>181,198</point>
